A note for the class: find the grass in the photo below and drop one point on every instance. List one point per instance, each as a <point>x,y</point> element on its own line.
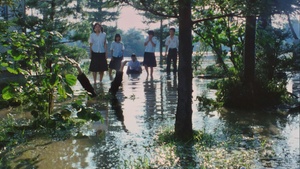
<point>205,151</point>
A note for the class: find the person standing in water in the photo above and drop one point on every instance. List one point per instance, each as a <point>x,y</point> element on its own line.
<point>117,50</point>
<point>149,55</point>
<point>172,44</point>
<point>98,53</point>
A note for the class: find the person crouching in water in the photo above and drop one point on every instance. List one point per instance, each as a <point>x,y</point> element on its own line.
<point>117,50</point>
<point>134,66</point>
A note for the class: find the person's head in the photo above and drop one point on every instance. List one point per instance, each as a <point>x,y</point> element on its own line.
<point>117,37</point>
<point>151,33</point>
<point>97,27</point>
<point>133,57</point>
<point>172,31</point>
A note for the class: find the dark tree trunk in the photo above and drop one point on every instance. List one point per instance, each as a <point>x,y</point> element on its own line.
<point>249,53</point>
<point>183,124</point>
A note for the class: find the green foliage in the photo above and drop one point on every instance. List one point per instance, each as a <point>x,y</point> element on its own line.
<point>134,42</point>
<point>207,104</point>
<point>272,53</point>
<point>233,93</point>
<point>41,66</point>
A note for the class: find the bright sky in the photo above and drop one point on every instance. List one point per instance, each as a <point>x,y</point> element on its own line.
<point>129,18</point>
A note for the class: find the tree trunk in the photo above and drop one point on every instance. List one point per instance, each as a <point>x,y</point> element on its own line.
<point>249,53</point>
<point>183,123</point>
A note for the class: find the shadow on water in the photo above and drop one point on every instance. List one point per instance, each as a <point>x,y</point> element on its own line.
<point>141,110</point>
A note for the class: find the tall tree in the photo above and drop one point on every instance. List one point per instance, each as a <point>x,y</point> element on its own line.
<point>181,10</point>
<point>183,124</point>
<point>249,49</point>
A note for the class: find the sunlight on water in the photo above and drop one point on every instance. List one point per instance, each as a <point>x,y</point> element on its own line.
<point>144,107</point>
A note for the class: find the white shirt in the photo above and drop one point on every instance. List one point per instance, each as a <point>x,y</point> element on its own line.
<point>149,47</point>
<point>97,42</point>
<point>134,65</point>
<point>117,48</point>
<point>172,42</point>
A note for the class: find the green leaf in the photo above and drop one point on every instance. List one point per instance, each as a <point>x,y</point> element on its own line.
<point>71,79</point>
<point>7,93</point>
<point>11,70</point>
<point>54,79</point>
<point>4,64</point>
<point>61,91</point>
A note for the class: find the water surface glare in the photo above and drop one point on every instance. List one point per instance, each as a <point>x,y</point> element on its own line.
<point>144,107</point>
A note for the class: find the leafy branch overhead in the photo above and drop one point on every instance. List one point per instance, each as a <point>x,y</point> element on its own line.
<point>211,10</point>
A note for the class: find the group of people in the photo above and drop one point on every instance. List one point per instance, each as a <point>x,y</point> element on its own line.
<point>98,53</point>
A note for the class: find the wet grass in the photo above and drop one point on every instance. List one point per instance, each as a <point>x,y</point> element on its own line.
<point>205,151</point>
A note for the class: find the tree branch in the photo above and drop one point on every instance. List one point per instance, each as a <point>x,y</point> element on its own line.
<point>213,17</point>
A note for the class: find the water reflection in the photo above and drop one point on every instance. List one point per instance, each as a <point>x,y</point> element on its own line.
<point>150,95</point>
<point>171,94</point>
<point>117,107</point>
<point>132,121</point>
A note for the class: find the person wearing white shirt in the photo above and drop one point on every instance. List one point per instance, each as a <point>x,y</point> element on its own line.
<point>134,66</point>
<point>172,43</point>
<point>149,56</point>
<point>98,54</point>
<point>117,50</point>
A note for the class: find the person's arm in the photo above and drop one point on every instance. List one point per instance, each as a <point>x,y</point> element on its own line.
<point>167,46</point>
<point>177,45</point>
<point>123,48</point>
<point>91,44</point>
<point>153,42</point>
<point>105,46</point>
<point>146,41</point>
<point>91,51</point>
<point>166,52</point>
<point>112,50</point>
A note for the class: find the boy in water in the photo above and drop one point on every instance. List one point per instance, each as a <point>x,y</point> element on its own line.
<point>134,66</point>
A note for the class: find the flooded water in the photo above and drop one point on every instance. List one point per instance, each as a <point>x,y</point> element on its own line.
<point>143,108</point>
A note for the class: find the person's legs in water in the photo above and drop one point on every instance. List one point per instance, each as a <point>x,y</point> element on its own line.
<point>84,81</point>
<point>94,76</point>
<point>151,71</point>
<point>146,68</point>
<point>168,63</point>
<point>101,75</point>
<point>116,83</point>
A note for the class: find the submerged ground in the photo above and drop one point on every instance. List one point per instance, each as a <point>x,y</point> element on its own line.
<point>145,107</point>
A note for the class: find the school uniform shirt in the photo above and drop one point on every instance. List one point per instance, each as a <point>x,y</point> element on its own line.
<point>117,48</point>
<point>172,43</point>
<point>149,47</point>
<point>98,42</point>
<point>134,65</point>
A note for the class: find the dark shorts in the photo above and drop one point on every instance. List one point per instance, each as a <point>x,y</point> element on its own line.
<point>149,59</point>
<point>115,63</point>
<point>98,62</point>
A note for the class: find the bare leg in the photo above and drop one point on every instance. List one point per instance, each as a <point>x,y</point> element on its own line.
<point>109,72</point>
<point>151,71</point>
<point>84,81</point>
<point>146,67</point>
<point>101,75</point>
<point>95,76</point>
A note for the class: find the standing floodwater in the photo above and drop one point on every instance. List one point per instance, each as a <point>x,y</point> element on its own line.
<point>146,106</point>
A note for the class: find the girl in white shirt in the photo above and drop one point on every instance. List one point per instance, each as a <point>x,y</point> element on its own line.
<point>149,56</point>
<point>98,55</point>
<point>117,50</point>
